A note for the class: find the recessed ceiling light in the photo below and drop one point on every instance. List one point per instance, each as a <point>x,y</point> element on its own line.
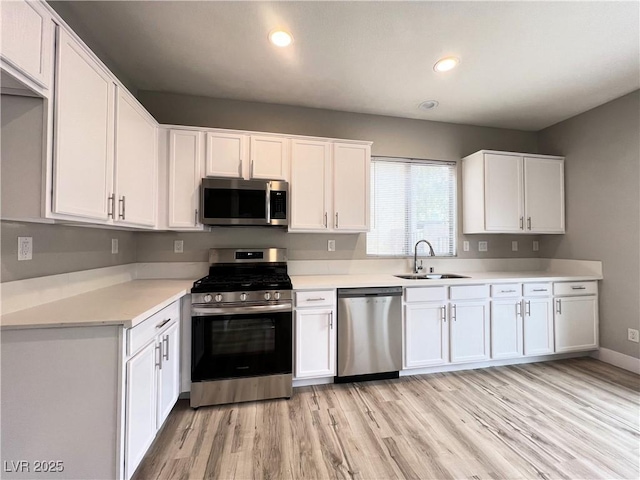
<point>446,64</point>
<point>280,38</point>
<point>428,105</point>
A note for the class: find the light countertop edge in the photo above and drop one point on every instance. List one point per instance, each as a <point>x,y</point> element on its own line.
<point>126,304</point>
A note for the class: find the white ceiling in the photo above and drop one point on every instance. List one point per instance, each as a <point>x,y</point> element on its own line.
<point>524,65</point>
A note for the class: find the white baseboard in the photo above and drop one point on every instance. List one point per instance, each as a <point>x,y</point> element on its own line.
<point>618,359</point>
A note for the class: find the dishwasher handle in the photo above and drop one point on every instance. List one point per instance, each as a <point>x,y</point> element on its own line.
<point>370,292</point>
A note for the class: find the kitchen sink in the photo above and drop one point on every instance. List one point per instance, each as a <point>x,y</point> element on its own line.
<point>429,276</point>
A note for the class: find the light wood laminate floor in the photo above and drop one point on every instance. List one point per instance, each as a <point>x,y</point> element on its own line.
<point>571,419</point>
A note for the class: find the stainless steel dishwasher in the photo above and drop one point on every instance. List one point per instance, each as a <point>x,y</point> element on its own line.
<point>369,333</point>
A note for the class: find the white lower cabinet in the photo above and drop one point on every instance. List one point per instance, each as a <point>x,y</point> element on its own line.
<point>538,326</point>
<point>152,382</point>
<point>506,328</point>
<point>576,323</point>
<point>469,324</point>
<point>426,335</point>
<point>315,334</point>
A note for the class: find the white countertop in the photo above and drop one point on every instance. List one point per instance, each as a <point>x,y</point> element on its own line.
<point>125,304</point>
<point>313,282</point>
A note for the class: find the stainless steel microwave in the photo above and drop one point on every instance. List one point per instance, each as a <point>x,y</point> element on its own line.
<point>234,202</point>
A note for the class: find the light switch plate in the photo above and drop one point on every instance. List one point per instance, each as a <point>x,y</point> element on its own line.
<point>25,248</point>
<point>331,246</point>
<point>465,246</point>
<point>514,246</point>
<point>178,246</point>
<point>536,246</point>
<point>114,246</point>
<point>482,246</point>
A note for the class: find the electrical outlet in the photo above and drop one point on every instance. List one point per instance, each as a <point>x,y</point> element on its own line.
<point>536,246</point>
<point>331,246</point>
<point>514,246</point>
<point>483,246</point>
<point>465,246</point>
<point>25,248</point>
<point>633,335</point>
<point>178,246</point>
<point>114,246</point>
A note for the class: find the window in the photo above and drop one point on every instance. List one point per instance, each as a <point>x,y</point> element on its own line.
<point>412,200</point>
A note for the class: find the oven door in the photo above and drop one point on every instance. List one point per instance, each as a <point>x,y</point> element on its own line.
<point>232,342</point>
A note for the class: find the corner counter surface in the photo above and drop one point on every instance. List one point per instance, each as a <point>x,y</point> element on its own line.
<point>125,304</point>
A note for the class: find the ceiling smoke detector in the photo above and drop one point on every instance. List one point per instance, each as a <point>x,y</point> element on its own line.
<point>428,105</point>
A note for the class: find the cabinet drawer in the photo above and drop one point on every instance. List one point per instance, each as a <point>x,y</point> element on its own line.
<point>141,334</point>
<point>468,292</point>
<point>425,294</point>
<point>506,290</point>
<point>317,298</point>
<point>537,289</point>
<point>575,288</point>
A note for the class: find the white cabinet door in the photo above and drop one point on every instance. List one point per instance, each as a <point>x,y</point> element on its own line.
<point>269,157</point>
<point>426,335</point>
<point>506,329</point>
<point>504,190</point>
<point>136,163</point>
<point>538,326</point>
<point>544,195</point>
<point>226,154</point>
<point>315,343</point>
<point>185,175</point>
<point>140,417</point>
<point>310,187</point>
<point>27,39</point>
<point>169,373</point>
<point>576,324</point>
<point>83,135</point>
<point>469,323</point>
<point>351,179</point>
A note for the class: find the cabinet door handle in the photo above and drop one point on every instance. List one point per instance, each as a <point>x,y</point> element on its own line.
<point>529,223</point>
<point>521,223</point>
<point>195,217</point>
<point>325,219</point>
<point>165,343</point>
<point>240,169</point>
<point>559,306</point>
<point>331,320</point>
<point>336,219</point>
<point>518,309</point>
<point>158,350</point>
<point>444,313</point>
<point>453,313</point>
<point>527,309</point>
<point>578,288</point>
<point>122,212</point>
<point>251,168</point>
<point>111,208</point>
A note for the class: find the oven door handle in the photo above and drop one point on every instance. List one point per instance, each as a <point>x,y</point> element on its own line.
<point>208,311</point>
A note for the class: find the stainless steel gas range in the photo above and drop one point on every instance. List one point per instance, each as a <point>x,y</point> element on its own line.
<point>241,338</point>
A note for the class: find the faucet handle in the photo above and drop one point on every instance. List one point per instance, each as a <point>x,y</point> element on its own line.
<point>419,266</point>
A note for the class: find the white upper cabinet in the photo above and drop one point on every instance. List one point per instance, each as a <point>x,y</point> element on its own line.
<point>310,188</point>
<point>512,193</point>
<point>269,157</point>
<point>185,175</point>
<point>226,154</point>
<point>351,179</point>
<point>27,40</point>
<point>135,163</point>
<point>83,135</point>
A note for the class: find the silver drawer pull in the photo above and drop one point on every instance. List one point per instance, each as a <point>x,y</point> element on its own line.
<point>317,299</point>
<point>162,324</point>
<point>507,291</point>
<point>578,288</point>
<point>539,289</point>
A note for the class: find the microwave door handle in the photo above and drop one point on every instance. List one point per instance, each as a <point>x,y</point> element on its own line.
<point>268,191</point>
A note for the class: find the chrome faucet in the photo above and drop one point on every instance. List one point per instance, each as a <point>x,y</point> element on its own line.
<point>415,255</point>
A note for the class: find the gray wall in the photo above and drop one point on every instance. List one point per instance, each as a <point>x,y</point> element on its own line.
<point>61,249</point>
<point>391,136</point>
<point>602,171</point>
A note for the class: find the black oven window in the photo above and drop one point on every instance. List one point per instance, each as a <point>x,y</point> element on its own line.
<point>226,203</point>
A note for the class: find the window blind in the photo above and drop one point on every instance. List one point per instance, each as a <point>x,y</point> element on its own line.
<point>412,200</point>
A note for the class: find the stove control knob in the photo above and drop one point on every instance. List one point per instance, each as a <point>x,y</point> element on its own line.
<point>276,295</point>
<point>218,298</point>
<point>207,298</point>
<point>243,296</point>
<point>267,296</point>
